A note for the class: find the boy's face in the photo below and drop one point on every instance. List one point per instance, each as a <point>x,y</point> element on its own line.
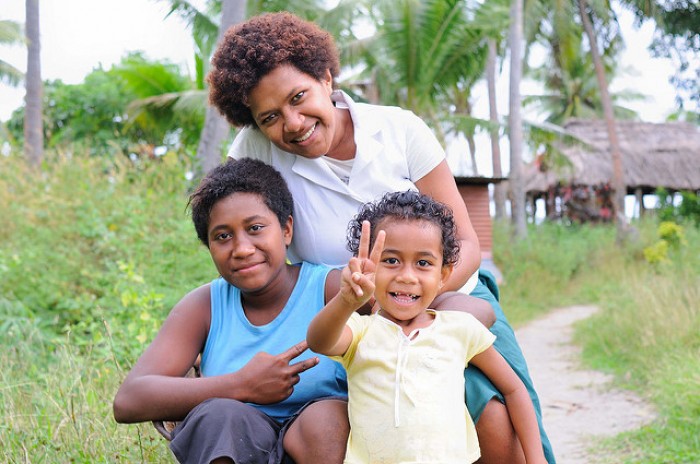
<point>410,273</point>
<point>246,242</point>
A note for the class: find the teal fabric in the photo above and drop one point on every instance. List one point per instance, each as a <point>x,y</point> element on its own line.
<point>479,389</point>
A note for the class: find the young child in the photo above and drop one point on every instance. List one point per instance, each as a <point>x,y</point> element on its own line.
<point>405,364</point>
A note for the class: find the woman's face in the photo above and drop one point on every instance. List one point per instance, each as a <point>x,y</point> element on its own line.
<point>295,111</point>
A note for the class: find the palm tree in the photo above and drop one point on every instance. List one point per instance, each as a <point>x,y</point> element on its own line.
<point>618,182</point>
<point>499,191</point>
<point>10,34</point>
<point>33,126</point>
<point>515,125</point>
<point>216,128</point>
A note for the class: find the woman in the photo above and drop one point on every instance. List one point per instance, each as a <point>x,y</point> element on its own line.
<point>274,75</point>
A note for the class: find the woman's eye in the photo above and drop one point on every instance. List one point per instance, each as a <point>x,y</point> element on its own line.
<point>298,96</point>
<point>256,227</point>
<point>268,119</point>
<point>222,236</point>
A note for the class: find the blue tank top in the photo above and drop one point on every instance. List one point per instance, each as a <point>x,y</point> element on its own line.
<point>233,340</point>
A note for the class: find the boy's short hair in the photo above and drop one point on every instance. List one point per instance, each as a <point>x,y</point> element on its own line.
<point>245,175</point>
<point>407,206</point>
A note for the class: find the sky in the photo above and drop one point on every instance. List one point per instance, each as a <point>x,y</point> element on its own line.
<point>80,35</point>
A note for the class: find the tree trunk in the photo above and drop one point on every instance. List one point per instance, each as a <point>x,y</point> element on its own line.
<point>216,128</point>
<point>618,181</point>
<point>515,122</point>
<point>499,191</point>
<point>33,124</point>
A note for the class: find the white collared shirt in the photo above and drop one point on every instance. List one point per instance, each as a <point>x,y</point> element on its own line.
<point>395,148</point>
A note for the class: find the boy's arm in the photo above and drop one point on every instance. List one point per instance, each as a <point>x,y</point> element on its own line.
<point>518,402</point>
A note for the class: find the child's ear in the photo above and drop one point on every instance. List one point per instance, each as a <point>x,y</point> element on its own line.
<point>288,231</point>
<point>446,273</point>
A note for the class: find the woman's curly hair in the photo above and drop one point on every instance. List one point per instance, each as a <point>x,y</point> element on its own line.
<point>245,175</point>
<point>252,49</point>
<point>407,206</point>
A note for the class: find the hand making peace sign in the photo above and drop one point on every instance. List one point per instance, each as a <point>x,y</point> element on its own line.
<point>357,279</point>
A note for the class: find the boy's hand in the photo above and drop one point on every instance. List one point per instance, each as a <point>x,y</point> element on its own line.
<point>357,278</point>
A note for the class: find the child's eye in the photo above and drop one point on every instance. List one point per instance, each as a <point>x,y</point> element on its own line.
<point>423,263</point>
<point>391,261</point>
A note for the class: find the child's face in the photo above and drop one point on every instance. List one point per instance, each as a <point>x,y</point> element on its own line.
<point>246,242</point>
<point>410,273</point>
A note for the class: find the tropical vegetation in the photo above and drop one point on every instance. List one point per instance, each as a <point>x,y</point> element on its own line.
<point>97,245</point>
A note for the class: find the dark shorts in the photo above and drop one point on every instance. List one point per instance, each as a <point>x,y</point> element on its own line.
<point>479,389</point>
<point>221,427</point>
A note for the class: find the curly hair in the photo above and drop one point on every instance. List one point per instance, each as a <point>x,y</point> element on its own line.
<point>407,206</point>
<point>239,176</point>
<point>252,49</point>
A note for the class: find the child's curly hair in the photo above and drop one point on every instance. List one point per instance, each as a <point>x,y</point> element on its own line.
<point>252,49</point>
<point>407,206</point>
<point>245,175</point>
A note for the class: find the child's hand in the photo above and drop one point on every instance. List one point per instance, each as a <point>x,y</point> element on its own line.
<point>357,279</point>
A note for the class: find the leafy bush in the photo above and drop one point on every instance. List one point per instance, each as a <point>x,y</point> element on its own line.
<point>99,243</point>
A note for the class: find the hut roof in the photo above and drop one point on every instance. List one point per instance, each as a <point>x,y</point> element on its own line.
<point>653,155</point>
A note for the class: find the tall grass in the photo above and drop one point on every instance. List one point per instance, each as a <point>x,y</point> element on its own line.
<point>86,246</point>
<point>93,256</point>
<point>647,333</point>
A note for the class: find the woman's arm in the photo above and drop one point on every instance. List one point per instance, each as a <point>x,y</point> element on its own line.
<point>156,389</point>
<point>458,301</point>
<point>518,402</point>
<point>440,185</point>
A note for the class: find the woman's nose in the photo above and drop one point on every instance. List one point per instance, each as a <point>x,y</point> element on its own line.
<point>293,121</point>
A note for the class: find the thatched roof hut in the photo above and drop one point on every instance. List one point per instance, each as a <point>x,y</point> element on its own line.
<point>654,155</point>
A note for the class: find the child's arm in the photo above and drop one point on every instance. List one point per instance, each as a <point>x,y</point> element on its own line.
<point>518,402</point>
<point>327,334</point>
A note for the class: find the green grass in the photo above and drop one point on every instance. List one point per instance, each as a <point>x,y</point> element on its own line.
<point>647,334</point>
<point>94,255</point>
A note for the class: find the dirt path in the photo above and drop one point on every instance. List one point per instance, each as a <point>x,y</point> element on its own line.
<point>578,405</point>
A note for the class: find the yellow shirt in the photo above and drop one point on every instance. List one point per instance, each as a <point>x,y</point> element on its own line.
<point>406,393</point>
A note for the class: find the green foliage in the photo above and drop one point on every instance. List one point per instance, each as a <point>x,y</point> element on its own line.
<point>99,116</point>
<point>687,210</point>
<point>98,243</point>
<point>539,271</point>
<point>648,330</point>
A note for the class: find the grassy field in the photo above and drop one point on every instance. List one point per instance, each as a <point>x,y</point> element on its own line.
<point>95,253</point>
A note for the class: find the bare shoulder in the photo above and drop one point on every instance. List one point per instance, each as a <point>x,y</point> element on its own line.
<point>332,284</point>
